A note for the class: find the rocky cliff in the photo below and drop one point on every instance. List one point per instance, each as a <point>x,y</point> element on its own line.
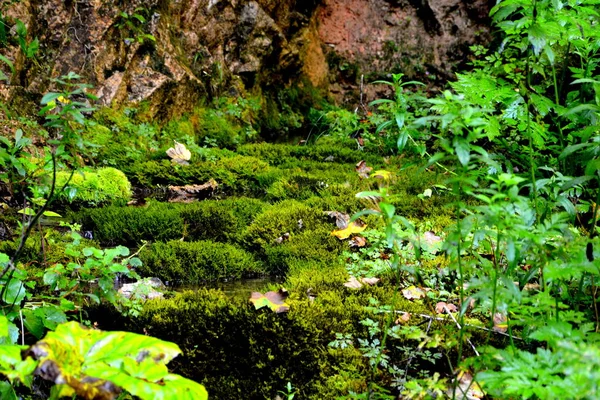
<point>171,54</point>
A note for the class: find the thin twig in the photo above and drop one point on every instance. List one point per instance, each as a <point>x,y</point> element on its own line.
<point>431,317</point>
<point>459,327</point>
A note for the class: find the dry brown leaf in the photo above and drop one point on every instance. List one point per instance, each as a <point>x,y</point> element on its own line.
<point>500,322</point>
<point>431,238</point>
<point>358,241</point>
<point>441,307</point>
<point>466,389</point>
<point>363,170</point>
<point>369,281</point>
<point>404,318</point>
<point>531,286</point>
<point>341,219</point>
<point>283,238</point>
<point>353,283</point>
<point>413,292</point>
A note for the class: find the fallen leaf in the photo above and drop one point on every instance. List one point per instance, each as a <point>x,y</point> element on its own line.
<point>369,281</point>
<point>341,219</point>
<point>466,389</point>
<point>382,174</point>
<point>353,283</point>
<point>283,238</point>
<point>274,300</point>
<point>358,241</point>
<point>427,193</point>
<point>500,322</point>
<point>179,154</point>
<point>403,318</point>
<point>431,238</point>
<point>531,286</point>
<point>353,227</point>
<point>363,170</point>
<point>413,292</point>
<point>441,307</point>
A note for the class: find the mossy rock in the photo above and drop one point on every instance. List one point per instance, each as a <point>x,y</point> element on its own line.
<point>289,216</point>
<point>235,175</point>
<point>193,262</point>
<point>214,127</point>
<point>309,247</point>
<point>238,352</point>
<point>220,220</point>
<point>130,225</point>
<point>93,187</point>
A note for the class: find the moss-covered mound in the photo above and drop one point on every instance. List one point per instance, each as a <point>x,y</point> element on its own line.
<point>194,262</point>
<point>93,187</point>
<point>130,225</point>
<point>242,353</point>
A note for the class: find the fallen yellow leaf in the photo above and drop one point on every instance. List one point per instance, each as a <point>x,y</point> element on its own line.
<point>353,227</point>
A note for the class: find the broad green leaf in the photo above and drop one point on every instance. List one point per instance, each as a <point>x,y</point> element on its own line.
<point>463,151</point>
<point>12,364</point>
<point>48,97</point>
<point>7,392</point>
<point>15,292</point>
<point>33,323</point>
<point>95,364</point>
<point>3,326</point>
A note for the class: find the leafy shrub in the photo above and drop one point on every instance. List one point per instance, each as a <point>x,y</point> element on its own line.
<point>191,262</point>
<point>105,185</point>
<point>130,225</point>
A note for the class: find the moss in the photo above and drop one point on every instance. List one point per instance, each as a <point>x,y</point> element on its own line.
<point>239,352</point>
<point>214,128</point>
<point>105,185</point>
<point>307,248</point>
<point>235,175</point>
<point>283,218</point>
<point>44,250</point>
<point>335,150</point>
<point>130,225</point>
<point>220,220</point>
<point>192,262</point>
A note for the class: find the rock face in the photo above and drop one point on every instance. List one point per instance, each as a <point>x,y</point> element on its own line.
<point>170,54</point>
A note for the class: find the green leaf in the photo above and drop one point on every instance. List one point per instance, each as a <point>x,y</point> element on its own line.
<point>7,392</point>
<point>48,97</point>
<point>15,292</point>
<point>84,361</point>
<point>3,326</point>
<point>463,150</point>
<point>402,140</point>
<point>33,323</point>
<point>52,214</point>
<point>27,211</point>
<point>51,316</point>
<point>572,149</point>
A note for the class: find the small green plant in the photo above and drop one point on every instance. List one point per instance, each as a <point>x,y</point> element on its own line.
<point>135,23</point>
<point>77,361</point>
